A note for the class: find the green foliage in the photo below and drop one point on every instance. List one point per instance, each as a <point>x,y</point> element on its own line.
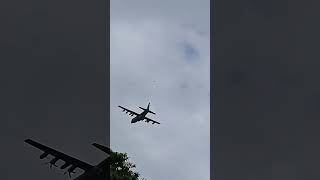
<point>121,168</point>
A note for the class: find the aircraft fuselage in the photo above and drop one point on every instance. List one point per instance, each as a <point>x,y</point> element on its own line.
<point>140,117</point>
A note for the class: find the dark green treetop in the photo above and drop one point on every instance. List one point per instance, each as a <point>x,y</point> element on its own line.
<point>121,168</point>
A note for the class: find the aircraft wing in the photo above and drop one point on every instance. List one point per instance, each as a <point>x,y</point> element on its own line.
<point>68,160</point>
<point>153,121</point>
<point>131,113</point>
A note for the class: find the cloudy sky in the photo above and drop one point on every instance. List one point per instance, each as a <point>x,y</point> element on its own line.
<point>160,54</point>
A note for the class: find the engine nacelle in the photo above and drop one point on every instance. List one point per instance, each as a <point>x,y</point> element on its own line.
<point>65,165</point>
<point>54,160</point>
<point>44,155</point>
<point>72,168</point>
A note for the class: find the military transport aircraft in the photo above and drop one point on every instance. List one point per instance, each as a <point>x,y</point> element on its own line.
<point>98,172</point>
<point>141,116</point>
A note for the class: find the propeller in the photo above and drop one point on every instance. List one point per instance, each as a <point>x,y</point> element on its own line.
<point>53,162</point>
<point>69,173</point>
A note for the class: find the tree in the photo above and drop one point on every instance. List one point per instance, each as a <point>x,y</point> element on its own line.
<point>121,168</point>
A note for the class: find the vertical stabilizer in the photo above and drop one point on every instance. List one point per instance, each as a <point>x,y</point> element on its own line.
<point>148,109</point>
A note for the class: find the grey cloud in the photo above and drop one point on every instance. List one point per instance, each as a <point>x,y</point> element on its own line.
<point>145,50</point>
<point>194,13</point>
<point>189,51</point>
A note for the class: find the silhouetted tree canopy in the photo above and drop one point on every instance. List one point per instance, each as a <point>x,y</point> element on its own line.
<point>121,168</point>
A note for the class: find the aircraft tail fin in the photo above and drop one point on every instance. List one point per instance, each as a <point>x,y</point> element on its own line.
<point>147,109</point>
<point>102,148</point>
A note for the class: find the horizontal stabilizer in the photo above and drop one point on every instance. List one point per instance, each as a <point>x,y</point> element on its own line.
<point>147,110</point>
<point>102,148</point>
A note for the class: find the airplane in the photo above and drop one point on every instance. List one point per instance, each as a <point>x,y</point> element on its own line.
<point>141,116</point>
<point>98,172</point>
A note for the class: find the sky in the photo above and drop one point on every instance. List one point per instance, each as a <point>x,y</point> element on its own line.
<point>160,54</point>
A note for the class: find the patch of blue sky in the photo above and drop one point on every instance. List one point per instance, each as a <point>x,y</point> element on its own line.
<point>190,53</point>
